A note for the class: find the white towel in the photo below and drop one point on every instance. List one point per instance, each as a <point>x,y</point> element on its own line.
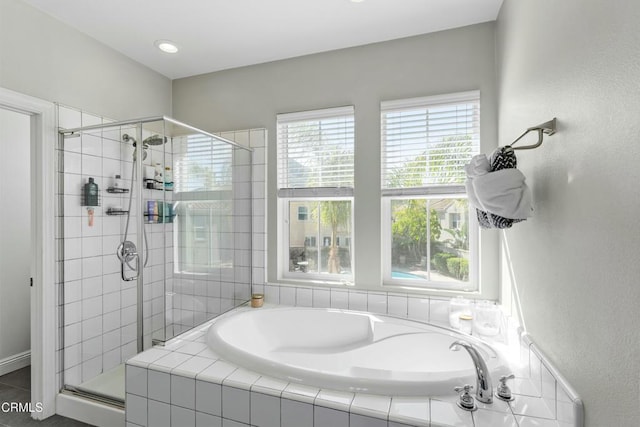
<point>479,165</point>
<point>502,192</point>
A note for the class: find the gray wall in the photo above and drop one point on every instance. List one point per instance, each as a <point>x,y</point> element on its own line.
<point>15,227</point>
<point>47,59</point>
<point>576,261</point>
<point>250,97</point>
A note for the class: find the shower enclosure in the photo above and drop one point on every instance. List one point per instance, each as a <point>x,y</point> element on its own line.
<point>160,246</point>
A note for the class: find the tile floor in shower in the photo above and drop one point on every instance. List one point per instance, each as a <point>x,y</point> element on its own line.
<point>16,387</point>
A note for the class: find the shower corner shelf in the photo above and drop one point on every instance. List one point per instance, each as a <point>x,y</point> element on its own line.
<point>111,211</point>
<point>117,190</point>
<point>153,218</point>
<point>158,189</point>
<point>150,184</point>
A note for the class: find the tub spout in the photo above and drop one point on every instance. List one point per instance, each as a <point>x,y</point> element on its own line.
<point>483,386</point>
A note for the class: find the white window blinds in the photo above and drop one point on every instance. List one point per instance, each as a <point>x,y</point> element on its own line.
<point>427,141</point>
<point>204,164</point>
<point>315,152</point>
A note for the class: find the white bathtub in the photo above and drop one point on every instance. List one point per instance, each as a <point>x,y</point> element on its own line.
<point>348,350</point>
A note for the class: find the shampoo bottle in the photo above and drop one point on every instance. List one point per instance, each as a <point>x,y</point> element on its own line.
<point>91,193</point>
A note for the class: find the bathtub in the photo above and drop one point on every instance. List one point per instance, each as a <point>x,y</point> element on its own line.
<point>349,350</point>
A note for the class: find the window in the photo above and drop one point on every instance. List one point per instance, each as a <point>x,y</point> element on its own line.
<point>203,201</point>
<point>303,213</point>
<point>429,238</point>
<point>454,220</point>
<point>315,186</point>
<point>203,164</point>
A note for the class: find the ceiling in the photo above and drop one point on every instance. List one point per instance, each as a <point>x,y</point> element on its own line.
<point>215,35</point>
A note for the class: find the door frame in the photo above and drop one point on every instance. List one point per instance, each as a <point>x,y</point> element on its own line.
<point>44,304</point>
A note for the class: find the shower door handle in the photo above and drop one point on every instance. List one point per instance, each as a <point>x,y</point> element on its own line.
<point>137,270</point>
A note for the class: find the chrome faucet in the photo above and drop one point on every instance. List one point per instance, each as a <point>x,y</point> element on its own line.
<point>483,385</point>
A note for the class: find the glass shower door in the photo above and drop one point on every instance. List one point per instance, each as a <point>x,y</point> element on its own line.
<point>100,310</point>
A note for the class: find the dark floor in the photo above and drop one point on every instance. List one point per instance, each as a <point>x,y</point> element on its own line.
<point>16,387</point>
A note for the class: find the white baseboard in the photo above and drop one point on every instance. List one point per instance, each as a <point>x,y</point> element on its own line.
<point>15,362</point>
<point>88,411</point>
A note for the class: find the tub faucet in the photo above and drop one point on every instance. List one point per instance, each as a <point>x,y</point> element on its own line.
<point>483,385</point>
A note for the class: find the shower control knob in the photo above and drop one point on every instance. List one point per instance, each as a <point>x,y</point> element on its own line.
<point>466,402</point>
<point>503,391</point>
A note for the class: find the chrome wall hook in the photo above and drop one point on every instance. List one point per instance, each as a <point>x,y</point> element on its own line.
<point>546,128</point>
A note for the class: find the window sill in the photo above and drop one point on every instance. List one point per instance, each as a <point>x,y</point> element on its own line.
<point>427,291</point>
<point>287,281</point>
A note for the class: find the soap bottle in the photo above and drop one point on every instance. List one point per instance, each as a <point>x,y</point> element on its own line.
<point>158,177</point>
<point>91,193</point>
<point>168,178</point>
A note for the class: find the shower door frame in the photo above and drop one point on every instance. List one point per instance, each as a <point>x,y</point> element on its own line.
<point>140,224</point>
<point>43,305</point>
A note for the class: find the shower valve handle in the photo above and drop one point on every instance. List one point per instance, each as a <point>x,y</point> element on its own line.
<point>137,270</point>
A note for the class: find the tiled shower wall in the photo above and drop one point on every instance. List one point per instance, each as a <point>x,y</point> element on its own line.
<point>256,139</point>
<point>199,297</point>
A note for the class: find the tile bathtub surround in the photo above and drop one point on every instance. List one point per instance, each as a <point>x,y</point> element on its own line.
<point>560,398</point>
<point>413,307</point>
<point>203,387</point>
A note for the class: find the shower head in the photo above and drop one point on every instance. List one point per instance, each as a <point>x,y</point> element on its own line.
<point>127,138</point>
<point>155,140</point>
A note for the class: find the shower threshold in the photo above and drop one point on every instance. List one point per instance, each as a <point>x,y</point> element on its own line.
<point>107,386</point>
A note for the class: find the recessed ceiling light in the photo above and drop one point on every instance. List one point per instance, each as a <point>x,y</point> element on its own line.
<point>166,46</point>
<point>357,1</point>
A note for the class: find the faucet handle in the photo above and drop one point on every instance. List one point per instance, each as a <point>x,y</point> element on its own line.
<point>466,388</point>
<point>503,391</point>
<point>466,401</point>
